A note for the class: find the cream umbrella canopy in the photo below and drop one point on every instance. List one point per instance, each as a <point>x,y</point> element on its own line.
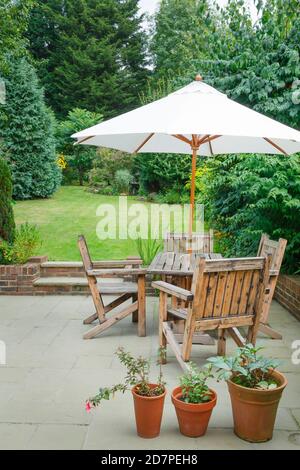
<point>196,119</point>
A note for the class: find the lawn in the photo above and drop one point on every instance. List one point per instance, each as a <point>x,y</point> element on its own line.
<point>72,211</point>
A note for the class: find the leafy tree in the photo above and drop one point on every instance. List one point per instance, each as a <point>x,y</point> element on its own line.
<point>13,23</point>
<point>26,127</point>
<point>259,65</point>
<point>78,157</point>
<point>7,223</point>
<point>180,35</point>
<point>91,53</point>
<point>160,172</point>
<point>247,195</point>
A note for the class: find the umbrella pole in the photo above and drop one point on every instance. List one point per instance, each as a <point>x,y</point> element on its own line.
<point>192,193</point>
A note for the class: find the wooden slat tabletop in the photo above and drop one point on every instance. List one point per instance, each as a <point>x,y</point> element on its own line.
<point>179,264</point>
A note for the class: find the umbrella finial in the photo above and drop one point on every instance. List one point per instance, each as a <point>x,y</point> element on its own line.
<point>198,77</point>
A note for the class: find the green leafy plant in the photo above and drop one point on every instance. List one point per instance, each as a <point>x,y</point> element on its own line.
<point>147,249</point>
<point>79,158</point>
<point>138,370</point>
<point>122,181</point>
<point>247,368</point>
<point>247,195</point>
<point>106,164</point>
<point>193,384</point>
<point>27,239</point>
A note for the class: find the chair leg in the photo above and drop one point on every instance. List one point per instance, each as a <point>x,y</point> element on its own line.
<point>267,330</point>
<point>141,305</point>
<point>90,319</point>
<point>110,321</point>
<point>251,335</point>
<point>221,342</point>
<point>236,336</point>
<point>97,299</point>
<point>162,318</point>
<point>135,315</point>
<point>188,335</point>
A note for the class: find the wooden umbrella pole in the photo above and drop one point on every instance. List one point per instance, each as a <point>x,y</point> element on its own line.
<point>195,148</point>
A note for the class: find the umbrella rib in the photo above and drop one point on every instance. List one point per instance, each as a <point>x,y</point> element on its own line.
<point>210,138</point>
<point>84,139</point>
<point>182,138</point>
<point>144,142</point>
<point>275,145</point>
<point>202,140</point>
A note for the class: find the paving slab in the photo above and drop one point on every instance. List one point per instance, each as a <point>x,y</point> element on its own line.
<point>51,371</point>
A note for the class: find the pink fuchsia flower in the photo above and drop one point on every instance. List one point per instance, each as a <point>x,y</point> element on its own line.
<point>88,406</point>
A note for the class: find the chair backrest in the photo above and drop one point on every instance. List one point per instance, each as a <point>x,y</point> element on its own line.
<point>229,287</point>
<point>275,249</point>
<point>84,251</point>
<point>185,243</point>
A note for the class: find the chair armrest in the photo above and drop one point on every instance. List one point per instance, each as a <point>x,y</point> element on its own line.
<point>117,263</point>
<point>173,290</point>
<point>116,272</point>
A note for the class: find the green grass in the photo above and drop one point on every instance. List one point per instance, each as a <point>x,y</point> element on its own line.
<point>70,212</point>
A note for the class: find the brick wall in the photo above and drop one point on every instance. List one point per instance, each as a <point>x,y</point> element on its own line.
<point>18,279</point>
<point>287,293</point>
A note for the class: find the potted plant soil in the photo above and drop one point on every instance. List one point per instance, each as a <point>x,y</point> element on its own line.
<point>255,389</point>
<point>194,401</point>
<point>148,397</point>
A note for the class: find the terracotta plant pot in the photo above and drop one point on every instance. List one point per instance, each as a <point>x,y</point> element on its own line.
<point>148,413</point>
<point>254,411</point>
<point>192,418</point>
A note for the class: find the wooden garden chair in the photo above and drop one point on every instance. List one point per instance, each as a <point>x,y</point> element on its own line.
<point>200,243</point>
<point>123,289</point>
<point>185,243</point>
<point>225,294</point>
<point>276,250</point>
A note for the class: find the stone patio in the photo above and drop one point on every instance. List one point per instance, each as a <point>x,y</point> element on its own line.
<point>51,370</point>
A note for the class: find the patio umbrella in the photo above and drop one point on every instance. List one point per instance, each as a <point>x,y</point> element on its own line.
<point>198,120</point>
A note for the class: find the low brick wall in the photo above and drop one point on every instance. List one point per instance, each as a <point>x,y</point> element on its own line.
<point>18,279</point>
<point>287,293</point>
<point>53,278</point>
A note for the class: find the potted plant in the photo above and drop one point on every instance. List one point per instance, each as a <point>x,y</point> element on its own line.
<point>194,401</point>
<point>148,397</point>
<point>255,389</point>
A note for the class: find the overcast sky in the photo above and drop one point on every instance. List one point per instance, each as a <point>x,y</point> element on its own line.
<point>149,6</point>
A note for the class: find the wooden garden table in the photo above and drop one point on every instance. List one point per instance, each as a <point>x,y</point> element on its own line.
<point>177,264</point>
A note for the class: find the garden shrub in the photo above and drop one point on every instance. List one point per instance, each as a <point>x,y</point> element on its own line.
<point>78,158</point>
<point>247,195</point>
<point>27,240</point>
<point>122,181</point>
<point>105,166</point>
<point>7,223</point>
<point>159,172</point>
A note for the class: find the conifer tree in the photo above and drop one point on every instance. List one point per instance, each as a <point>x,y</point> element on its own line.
<point>26,129</point>
<point>90,54</point>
